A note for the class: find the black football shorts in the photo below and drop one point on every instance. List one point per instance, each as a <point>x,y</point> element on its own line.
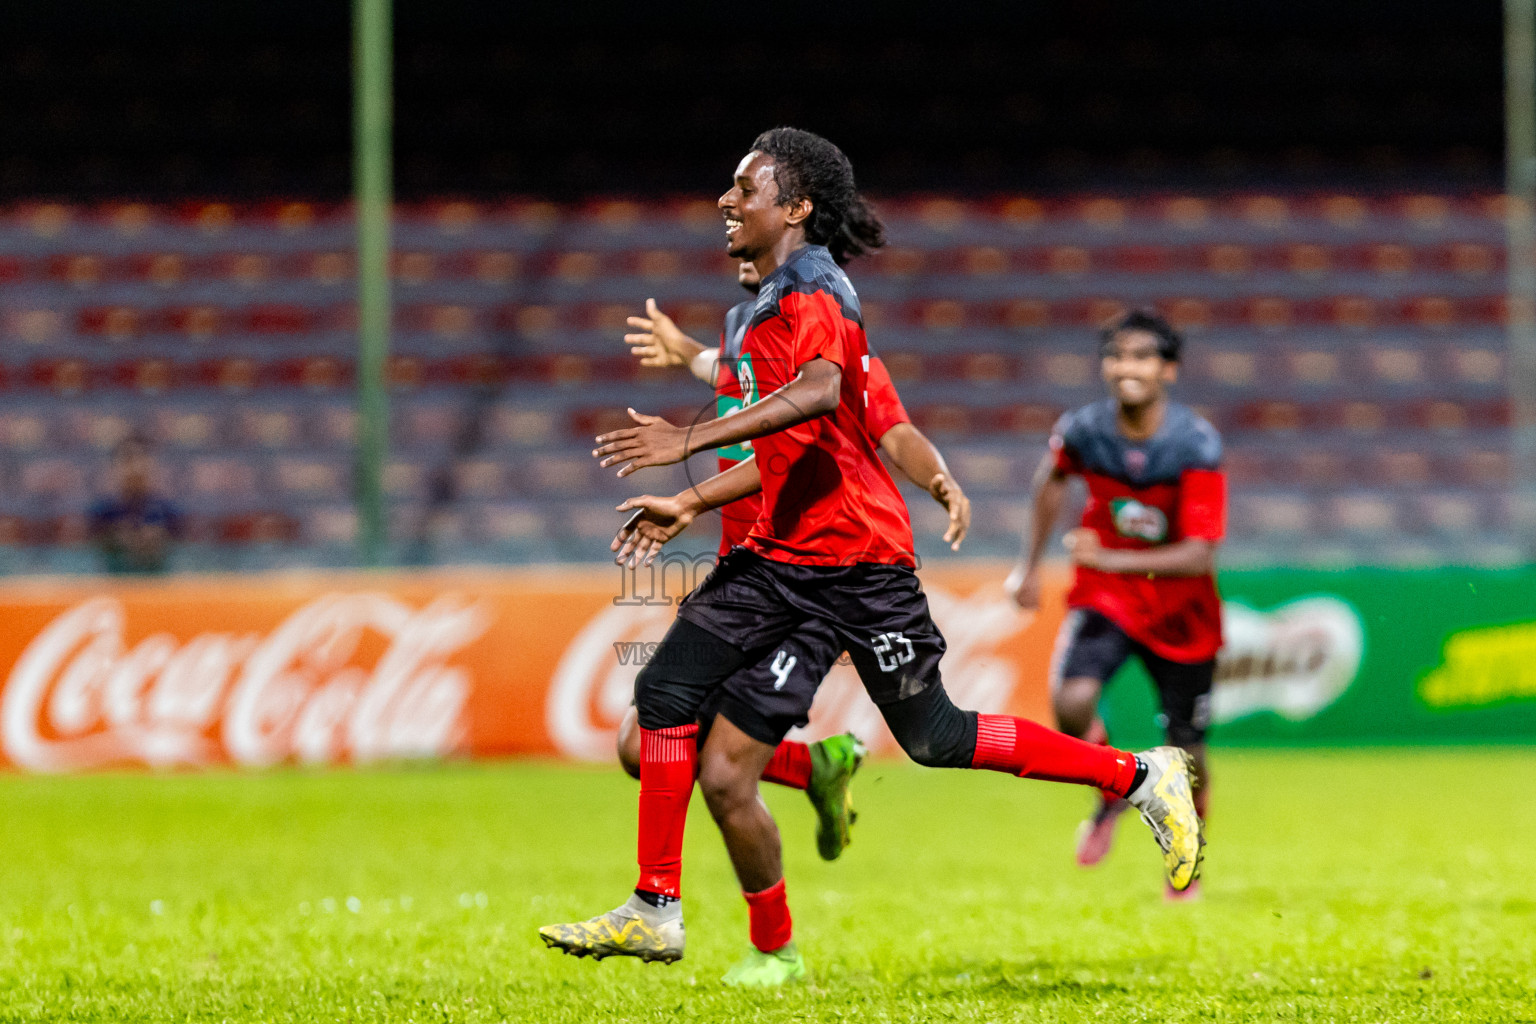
<point>1091,646</point>
<point>877,613</point>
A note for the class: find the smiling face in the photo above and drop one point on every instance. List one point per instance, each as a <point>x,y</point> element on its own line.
<point>756,223</point>
<point>1134,370</point>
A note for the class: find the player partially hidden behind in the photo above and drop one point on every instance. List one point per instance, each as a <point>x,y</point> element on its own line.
<point>1144,553</point>
<point>822,770</point>
<point>833,545</point>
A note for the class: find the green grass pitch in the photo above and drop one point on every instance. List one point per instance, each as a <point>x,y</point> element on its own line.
<point>1360,886</point>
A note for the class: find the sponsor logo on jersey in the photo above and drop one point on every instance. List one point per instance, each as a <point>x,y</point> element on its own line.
<point>1142,522</point>
<point>727,405</point>
<point>1293,660</point>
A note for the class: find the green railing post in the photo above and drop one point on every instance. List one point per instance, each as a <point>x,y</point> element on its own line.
<point>372,194</point>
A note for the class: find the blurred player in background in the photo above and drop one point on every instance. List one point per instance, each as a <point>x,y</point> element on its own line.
<point>134,528</point>
<point>1144,553</point>
<point>833,544</point>
<point>821,769</point>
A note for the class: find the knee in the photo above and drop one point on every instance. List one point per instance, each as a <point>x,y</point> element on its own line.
<point>923,751</point>
<point>932,731</point>
<point>726,785</point>
<point>629,744</point>
<point>1076,703</point>
<point>661,702</point>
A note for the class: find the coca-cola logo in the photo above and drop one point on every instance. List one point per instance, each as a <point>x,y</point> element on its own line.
<point>595,679</point>
<point>80,696</point>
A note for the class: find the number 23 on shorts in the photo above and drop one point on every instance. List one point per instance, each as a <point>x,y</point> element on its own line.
<point>892,650</point>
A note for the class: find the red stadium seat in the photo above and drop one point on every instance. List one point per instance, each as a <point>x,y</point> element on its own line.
<point>522,427</point>
<point>266,428</point>
<point>1365,513</point>
<point>56,478</point>
<point>310,478</point>
<point>224,477</point>
<point>185,428</point>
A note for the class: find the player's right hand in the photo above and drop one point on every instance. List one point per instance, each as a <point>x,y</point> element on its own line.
<point>656,521</point>
<point>1024,587</point>
<point>658,341</point>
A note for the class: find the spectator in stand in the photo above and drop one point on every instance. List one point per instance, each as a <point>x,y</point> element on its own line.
<point>135,527</point>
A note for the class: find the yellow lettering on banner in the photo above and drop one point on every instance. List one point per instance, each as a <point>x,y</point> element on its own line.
<point>1484,666</point>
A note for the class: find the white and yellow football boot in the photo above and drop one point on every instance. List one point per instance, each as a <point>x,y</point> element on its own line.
<point>1167,805</point>
<point>634,929</point>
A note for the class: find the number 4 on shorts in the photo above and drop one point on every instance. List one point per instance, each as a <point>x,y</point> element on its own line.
<point>892,650</point>
<point>783,665</point>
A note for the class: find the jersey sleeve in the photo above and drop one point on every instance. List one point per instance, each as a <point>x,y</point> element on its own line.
<point>884,404</point>
<point>1063,447</point>
<point>819,330</point>
<point>1203,504</point>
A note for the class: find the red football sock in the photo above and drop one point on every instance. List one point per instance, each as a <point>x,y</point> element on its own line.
<point>768,914</point>
<point>1098,735</point>
<point>668,761</point>
<point>790,765</point>
<point>1021,747</point>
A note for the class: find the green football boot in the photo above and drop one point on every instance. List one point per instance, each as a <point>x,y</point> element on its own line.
<point>833,763</point>
<point>767,970</point>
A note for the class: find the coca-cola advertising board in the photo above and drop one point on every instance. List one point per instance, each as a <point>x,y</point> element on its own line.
<point>353,668</point>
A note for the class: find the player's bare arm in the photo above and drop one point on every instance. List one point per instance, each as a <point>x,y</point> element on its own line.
<point>657,520</point>
<point>1050,492</point>
<point>921,462</point>
<point>1189,557</point>
<point>654,442</point>
<point>659,342</point>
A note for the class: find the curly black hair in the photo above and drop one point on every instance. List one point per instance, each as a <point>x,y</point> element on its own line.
<point>1169,342</point>
<point>807,166</point>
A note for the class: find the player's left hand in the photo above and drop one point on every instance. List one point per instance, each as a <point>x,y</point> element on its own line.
<point>654,442</point>
<point>947,492</point>
<point>657,521</point>
<point>1083,547</point>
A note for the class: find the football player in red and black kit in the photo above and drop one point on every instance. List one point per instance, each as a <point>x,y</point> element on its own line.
<point>832,544</point>
<point>769,699</point>
<point>1144,552</point>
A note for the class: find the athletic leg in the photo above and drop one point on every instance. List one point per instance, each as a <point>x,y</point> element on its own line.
<point>882,616</point>
<point>734,611</point>
<point>1184,690</point>
<point>1089,651</point>
<point>790,766</point>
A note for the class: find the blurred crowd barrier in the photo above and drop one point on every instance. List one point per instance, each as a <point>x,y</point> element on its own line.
<point>349,668</point>
<point>1350,348</point>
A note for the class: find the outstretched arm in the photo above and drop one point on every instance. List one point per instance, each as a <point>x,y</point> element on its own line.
<point>922,463</point>
<point>658,341</point>
<point>658,520</point>
<point>814,392</point>
<point>1192,556</point>
<point>1023,584</point>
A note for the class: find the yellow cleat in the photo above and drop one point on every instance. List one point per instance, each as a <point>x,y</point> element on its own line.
<point>1167,805</point>
<point>628,930</point>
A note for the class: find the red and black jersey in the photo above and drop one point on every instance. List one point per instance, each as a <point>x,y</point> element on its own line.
<point>1142,494</point>
<point>827,498</point>
<point>732,393</point>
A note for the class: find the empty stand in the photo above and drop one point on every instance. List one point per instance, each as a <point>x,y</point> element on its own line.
<point>1350,348</point>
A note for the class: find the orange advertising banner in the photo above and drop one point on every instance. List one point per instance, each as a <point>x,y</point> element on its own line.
<point>355,667</point>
